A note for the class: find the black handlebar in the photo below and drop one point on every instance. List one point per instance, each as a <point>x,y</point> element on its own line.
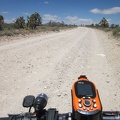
<point>52,114</point>
<point>5,118</point>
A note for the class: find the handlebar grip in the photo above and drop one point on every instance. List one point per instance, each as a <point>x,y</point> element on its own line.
<point>111,115</point>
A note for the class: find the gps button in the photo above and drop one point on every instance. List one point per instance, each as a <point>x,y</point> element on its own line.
<point>87,103</point>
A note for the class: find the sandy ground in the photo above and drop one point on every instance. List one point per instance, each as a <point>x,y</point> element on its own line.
<point>52,62</point>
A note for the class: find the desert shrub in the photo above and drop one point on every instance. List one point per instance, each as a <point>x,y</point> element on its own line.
<point>116,32</point>
<point>19,23</point>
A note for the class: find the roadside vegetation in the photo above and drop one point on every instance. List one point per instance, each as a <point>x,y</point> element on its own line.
<point>104,25</point>
<point>33,24</point>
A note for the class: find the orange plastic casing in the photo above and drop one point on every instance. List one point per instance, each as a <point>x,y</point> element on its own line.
<point>95,102</point>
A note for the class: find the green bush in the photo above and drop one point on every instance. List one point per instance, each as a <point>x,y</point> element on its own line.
<point>6,33</point>
<point>19,23</point>
<point>116,32</point>
<point>107,29</point>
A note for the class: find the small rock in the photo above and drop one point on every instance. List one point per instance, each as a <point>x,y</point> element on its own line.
<point>65,94</point>
<point>107,81</point>
<point>45,87</point>
<point>58,95</point>
<point>107,75</point>
<point>118,44</point>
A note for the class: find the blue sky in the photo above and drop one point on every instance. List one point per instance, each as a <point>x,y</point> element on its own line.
<point>70,11</point>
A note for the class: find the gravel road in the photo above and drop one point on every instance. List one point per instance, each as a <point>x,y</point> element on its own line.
<point>50,63</point>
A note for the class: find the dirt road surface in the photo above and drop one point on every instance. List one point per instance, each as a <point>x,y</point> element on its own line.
<point>51,63</point>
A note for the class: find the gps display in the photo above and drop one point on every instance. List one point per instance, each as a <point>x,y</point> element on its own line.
<point>85,89</point>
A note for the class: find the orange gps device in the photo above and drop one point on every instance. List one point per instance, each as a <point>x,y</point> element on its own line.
<point>86,103</point>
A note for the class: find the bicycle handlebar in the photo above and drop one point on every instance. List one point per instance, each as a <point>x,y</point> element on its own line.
<point>52,114</point>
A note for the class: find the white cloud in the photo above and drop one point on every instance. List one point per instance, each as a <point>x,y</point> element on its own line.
<point>48,17</point>
<point>113,10</point>
<point>68,20</point>
<point>5,12</point>
<point>9,20</point>
<point>78,21</point>
<point>25,13</point>
<point>46,2</point>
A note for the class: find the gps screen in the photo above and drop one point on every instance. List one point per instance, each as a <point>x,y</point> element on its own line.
<point>85,89</point>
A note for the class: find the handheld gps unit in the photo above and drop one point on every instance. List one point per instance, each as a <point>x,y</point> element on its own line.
<point>86,103</point>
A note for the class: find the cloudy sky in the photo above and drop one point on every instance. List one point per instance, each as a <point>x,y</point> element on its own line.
<point>70,11</point>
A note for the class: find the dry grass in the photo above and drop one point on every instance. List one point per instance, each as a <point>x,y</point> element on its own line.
<point>115,31</point>
<point>11,34</point>
<point>15,32</point>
